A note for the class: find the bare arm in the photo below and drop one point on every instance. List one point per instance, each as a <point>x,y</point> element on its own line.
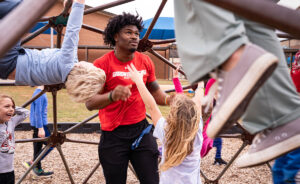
<point>199,93</point>
<point>145,94</point>
<point>158,94</point>
<point>100,101</point>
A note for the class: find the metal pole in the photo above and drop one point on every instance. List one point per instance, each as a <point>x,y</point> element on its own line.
<point>65,163</point>
<point>265,12</point>
<point>91,28</point>
<point>91,173</point>
<point>35,162</point>
<point>35,34</point>
<point>20,20</point>
<point>163,3</point>
<point>106,6</point>
<point>165,60</point>
<point>80,124</point>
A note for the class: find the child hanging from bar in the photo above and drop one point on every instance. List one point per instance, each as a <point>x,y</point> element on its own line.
<point>53,66</point>
<point>180,133</point>
<point>10,117</point>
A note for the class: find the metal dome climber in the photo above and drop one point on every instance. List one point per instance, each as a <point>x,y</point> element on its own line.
<point>57,138</point>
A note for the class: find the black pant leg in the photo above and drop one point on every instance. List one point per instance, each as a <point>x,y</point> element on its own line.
<point>7,178</point>
<point>114,157</point>
<point>37,147</point>
<point>144,160</point>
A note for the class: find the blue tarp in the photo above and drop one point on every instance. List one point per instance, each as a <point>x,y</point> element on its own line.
<point>40,25</point>
<point>163,28</point>
<point>288,60</point>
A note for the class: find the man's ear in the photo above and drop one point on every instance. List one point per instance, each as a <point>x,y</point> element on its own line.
<point>116,36</point>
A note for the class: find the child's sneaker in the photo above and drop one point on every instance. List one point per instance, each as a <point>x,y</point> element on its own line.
<point>220,161</point>
<point>41,173</point>
<point>237,87</point>
<point>27,164</point>
<point>272,143</point>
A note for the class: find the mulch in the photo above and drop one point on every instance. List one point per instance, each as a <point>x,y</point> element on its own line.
<point>81,159</point>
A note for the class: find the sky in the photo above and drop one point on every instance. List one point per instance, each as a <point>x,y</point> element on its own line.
<point>145,8</point>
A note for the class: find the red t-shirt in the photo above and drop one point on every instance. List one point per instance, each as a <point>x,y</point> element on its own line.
<point>123,112</point>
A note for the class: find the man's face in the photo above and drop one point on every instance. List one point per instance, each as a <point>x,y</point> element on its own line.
<point>6,110</point>
<point>128,38</point>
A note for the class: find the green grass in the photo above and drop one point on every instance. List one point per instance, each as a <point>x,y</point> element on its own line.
<point>67,110</point>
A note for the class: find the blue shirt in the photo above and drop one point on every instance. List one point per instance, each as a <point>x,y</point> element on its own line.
<point>38,110</point>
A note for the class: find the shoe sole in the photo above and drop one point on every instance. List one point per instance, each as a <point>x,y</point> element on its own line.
<point>35,177</point>
<point>237,102</point>
<point>268,154</point>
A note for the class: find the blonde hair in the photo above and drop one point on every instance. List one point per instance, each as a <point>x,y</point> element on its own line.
<point>3,96</point>
<point>182,127</point>
<point>84,81</point>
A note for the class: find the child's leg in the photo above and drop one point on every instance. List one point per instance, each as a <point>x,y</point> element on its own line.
<point>7,178</point>
<point>292,167</point>
<point>37,147</point>
<point>218,145</point>
<point>47,134</point>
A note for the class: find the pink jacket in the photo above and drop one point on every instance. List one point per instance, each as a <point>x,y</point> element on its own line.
<point>207,142</point>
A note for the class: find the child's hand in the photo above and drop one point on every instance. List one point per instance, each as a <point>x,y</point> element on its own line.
<point>134,74</point>
<point>175,72</point>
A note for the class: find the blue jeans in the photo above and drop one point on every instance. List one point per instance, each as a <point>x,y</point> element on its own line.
<point>286,168</point>
<point>218,144</point>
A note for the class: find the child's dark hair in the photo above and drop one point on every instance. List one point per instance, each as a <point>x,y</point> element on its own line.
<point>116,23</point>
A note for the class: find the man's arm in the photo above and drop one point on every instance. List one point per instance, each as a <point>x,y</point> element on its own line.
<point>100,101</point>
<point>159,95</point>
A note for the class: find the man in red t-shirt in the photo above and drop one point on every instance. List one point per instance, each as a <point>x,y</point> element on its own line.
<point>122,112</point>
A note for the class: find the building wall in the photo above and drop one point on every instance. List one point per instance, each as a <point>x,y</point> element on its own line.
<point>294,44</point>
<point>98,20</point>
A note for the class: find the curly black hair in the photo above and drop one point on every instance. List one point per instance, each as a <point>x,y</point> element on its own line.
<point>116,23</point>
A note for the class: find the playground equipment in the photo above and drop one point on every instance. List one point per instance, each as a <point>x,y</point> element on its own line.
<point>29,12</point>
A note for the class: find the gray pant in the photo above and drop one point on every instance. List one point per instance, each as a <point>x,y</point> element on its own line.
<point>207,36</point>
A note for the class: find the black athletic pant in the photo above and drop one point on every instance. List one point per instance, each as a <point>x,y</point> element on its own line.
<point>7,178</point>
<point>38,146</point>
<point>115,153</point>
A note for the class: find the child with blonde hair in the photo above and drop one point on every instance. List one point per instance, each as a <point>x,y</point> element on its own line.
<point>180,133</point>
<point>10,117</point>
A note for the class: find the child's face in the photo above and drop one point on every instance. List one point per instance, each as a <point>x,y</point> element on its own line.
<point>6,110</point>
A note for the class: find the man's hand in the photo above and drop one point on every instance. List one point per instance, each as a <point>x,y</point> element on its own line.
<point>41,133</point>
<point>121,93</point>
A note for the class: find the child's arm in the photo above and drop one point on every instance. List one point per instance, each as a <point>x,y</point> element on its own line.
<point>176,81</point>
<point>20,115</point>
<point>199,96</point>
<point>145,94</point>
